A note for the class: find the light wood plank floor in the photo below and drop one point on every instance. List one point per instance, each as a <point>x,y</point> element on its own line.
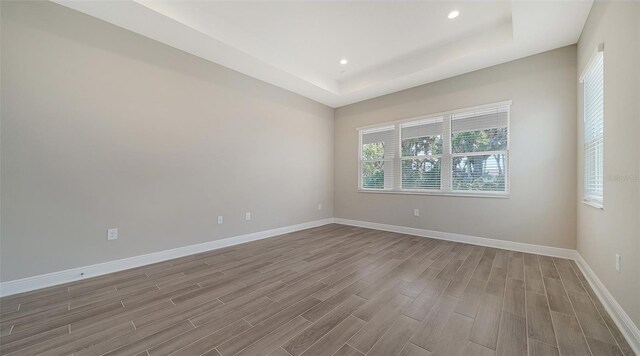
<point>331,290</point>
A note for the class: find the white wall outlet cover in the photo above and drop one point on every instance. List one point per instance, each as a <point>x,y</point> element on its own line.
<point>416,212</point>
<point>247,216</point>
<point>618,257</point>
<point>220,219</point>
<point>319,206</point>
<point>112,234</point>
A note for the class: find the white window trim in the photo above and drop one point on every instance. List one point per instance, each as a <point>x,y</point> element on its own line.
<point>593,200</point>
<point>594,204</point>
<point>446,156</point>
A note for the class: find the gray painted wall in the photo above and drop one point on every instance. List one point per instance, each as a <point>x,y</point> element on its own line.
<point>541,209</point>
<point>616,228</point>
<point>104,128</point>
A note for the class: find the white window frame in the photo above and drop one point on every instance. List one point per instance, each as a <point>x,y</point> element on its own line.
<point>592,198</point>
<point>446,157</point>
<point>388,158</point>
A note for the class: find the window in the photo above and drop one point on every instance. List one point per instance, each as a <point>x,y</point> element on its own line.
<point>377,157</point>
<point>479,150</point>
<point>464,152</point>
<point>593,86</point>
<point>421,151</point>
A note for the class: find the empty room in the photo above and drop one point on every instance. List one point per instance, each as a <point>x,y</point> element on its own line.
<point>302,178</point>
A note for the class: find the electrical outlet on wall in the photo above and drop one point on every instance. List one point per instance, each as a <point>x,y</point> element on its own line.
<point>220,220</point>
<point>416,212</point>
<point>247,216</point>
<point>112,234</point>
<point>618,257</point>
<point>319,206</point>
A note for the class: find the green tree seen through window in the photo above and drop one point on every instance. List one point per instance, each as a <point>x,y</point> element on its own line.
<point>479,172</point>
<point>373,171</point>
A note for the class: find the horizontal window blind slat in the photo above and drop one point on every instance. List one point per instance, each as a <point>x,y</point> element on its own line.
<point>480,120</point>
<point>378,136</point>
<point>430,127</point>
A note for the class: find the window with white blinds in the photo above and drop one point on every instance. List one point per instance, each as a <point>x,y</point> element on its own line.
<point>377,157</point>
<point>421,150</point>
<point>459,152</point>
<point>593,86</point>
<point>479,149</point>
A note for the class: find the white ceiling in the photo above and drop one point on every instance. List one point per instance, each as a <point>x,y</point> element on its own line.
<point>390,45</point>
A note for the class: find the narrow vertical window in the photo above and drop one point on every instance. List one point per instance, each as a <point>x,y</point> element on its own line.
<point>479,150</point>
<point>421,151</point>
<point>377,152</point>
<point>593,159</point>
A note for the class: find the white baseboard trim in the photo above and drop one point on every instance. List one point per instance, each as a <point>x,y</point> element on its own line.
<point>473,240</point>
<point>74,274</point>
<point>619,316</point>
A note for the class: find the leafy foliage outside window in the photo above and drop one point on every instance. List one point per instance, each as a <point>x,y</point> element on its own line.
<point>421,173</point>
<point>478,141</point>
<point>420,146</point>
<point>479,172</point>
<point>371,151</point>
<point>373,171</point>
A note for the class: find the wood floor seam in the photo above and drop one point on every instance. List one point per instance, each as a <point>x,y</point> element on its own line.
<point>526,319</point>
<point>549,309</point>
<point>575,314</point>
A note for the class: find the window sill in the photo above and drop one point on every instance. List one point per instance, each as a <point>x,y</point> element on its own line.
<point>593,204</point>
<point>505,195</point>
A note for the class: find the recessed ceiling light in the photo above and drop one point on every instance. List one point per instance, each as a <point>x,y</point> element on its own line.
<point>453,14</point>
<point>344,61</point>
